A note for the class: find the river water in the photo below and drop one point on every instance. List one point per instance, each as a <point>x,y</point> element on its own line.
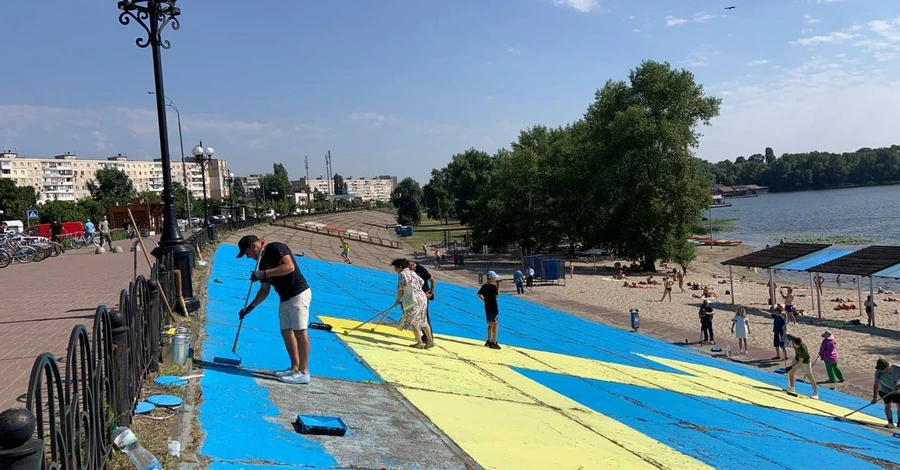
<point>852,217</point>
<point>849,218</point>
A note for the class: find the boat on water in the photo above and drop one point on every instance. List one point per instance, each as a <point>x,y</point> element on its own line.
<point>717,202</point>
<point>706,241</point>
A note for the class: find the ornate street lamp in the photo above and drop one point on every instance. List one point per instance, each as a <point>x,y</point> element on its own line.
<point>231,196</point>
<point>203,157</point>
<point>153,16</point>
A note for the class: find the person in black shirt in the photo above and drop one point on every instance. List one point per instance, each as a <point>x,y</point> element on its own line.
<point>428,287</point>
<point>706,322</point>
<point>56,234</point>
<point>278,269</point>
<point>488,294</point>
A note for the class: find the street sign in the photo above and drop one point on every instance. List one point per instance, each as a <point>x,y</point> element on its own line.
<point>32,213</point>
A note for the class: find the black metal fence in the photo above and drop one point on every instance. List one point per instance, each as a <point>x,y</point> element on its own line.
<point>73,403</point>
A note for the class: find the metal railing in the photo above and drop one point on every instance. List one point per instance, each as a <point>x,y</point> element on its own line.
<point>307,227</point>
<point>69,413</point>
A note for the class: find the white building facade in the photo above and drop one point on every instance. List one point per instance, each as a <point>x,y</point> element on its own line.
<point>65,177</point>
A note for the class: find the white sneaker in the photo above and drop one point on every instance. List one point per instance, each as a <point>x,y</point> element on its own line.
<point>296,378</point>
<point>814,397</point>
<point>283,373</point>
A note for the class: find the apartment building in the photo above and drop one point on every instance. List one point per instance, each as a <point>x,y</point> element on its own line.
<point>65,177</point>
<point>378,188</point>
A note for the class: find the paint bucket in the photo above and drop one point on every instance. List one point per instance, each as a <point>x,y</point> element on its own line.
<point>728,351</point>
<point>165,341</point>
<point>181,345</point>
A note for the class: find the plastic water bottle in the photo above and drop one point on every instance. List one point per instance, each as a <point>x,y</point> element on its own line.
<point>127,442</point>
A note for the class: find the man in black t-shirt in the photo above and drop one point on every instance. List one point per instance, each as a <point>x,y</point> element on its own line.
<point>278,269</point>
<point>56,234</point>
<point>428,287</point>
<point>488,294</point>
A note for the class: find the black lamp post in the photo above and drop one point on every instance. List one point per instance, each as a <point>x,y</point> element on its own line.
<point>203,157</point>
<point>154,16</point>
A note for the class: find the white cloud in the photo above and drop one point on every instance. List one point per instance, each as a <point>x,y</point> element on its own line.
<point>372,119</point>
<point>584,6</point>
<point>635,30</point>
<point>674,21</point>
<point>700,57</point>
<point>631,17</point>
<point>513,50</point>
<point>808,19</point>
<point>101,141</point>
<point>702,17</point>
<point>757,62</point>
<point>835,37</point>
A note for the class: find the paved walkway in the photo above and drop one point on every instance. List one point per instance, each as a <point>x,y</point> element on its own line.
<point>563,392</point>
<point>41,302</point>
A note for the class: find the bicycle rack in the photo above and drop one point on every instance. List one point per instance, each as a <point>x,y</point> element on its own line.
<point>136,248</point>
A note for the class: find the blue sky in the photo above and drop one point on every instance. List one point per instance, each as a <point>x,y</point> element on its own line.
<point>400,86</point>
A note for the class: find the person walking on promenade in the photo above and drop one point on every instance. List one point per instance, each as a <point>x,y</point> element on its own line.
<point>680,277</point>
<point>105,233</point>
<point>428,284</point>
<point>345,251</point>
<point>740,326</point>
<point>488,294</point>
<point>887,386</point>
<point>413,302</point>
<point>518,279</point>
<point>779,333</point>
<point>829,355</point>
<point>801,363</point>
<point>278,268</point>
<point>706,326</point>
<point>529,278</point>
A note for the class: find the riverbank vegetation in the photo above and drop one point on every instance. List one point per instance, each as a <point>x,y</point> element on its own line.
<point>811,170</point>
<point>622,177</point>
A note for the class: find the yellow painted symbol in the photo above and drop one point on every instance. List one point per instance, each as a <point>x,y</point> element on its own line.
<point>503,419</point>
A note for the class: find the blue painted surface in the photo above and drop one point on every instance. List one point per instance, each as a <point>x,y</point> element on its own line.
<point>813,259</point>
<point>723,434</point>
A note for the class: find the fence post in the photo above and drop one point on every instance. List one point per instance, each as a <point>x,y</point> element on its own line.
<point>155,323</point>
<point>121,371</point>
<point>18,450</point>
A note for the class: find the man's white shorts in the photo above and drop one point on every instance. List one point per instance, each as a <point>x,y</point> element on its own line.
<point>293,313</point>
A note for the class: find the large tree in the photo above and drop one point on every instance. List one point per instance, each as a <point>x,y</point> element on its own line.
<point>407,199</point>
<point>111,186</point>
<point>439,204</point>
<point>237,190</point>
<point>645,131</point>
<point>469,174</point>
<point>340,187</point>
<point>15,200</point>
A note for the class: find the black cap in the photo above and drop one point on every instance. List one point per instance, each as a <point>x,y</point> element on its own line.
<point>245,243</point>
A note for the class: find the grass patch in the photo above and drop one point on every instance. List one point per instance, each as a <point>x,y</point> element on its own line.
<point>718,225</point>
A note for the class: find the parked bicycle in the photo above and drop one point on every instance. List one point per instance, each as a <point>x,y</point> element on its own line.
<point>81,239</point>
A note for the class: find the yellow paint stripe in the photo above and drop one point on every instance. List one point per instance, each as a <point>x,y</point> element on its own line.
<point>506,435</point>
<point>500,417</point>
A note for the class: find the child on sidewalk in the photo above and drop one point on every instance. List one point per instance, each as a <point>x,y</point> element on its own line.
<point>828,354</point>
<point>488,294</point>
<point>740,326</point>
<point>801,363</point>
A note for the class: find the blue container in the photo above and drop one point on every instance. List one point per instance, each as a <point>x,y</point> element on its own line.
<point>323,425</point>
<point>551,270</point>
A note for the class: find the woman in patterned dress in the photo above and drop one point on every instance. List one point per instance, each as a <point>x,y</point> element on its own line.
<point>413,302</point>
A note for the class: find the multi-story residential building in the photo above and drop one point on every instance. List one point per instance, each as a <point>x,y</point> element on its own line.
<point>65,177</point>
<point>251,182</point>
<point>378,188</point>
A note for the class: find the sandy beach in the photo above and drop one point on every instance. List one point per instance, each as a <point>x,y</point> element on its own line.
<point>858,346</point>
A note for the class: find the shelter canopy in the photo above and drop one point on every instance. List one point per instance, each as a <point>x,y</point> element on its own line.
<point>775,255</point>
<point>813,259</point>
<point>865,262</point>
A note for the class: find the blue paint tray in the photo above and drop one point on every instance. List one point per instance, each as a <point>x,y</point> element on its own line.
<point>325,425</point>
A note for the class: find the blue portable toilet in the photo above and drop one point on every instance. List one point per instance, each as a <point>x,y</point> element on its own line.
<point>551,268</point>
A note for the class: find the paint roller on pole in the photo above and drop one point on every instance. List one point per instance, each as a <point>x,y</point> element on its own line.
<point>383,314</point>
<point>841,418</point>
<point>237,362</point>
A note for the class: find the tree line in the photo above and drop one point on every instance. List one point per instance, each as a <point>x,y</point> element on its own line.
<point>622,177</point>
<point>811,170</point>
